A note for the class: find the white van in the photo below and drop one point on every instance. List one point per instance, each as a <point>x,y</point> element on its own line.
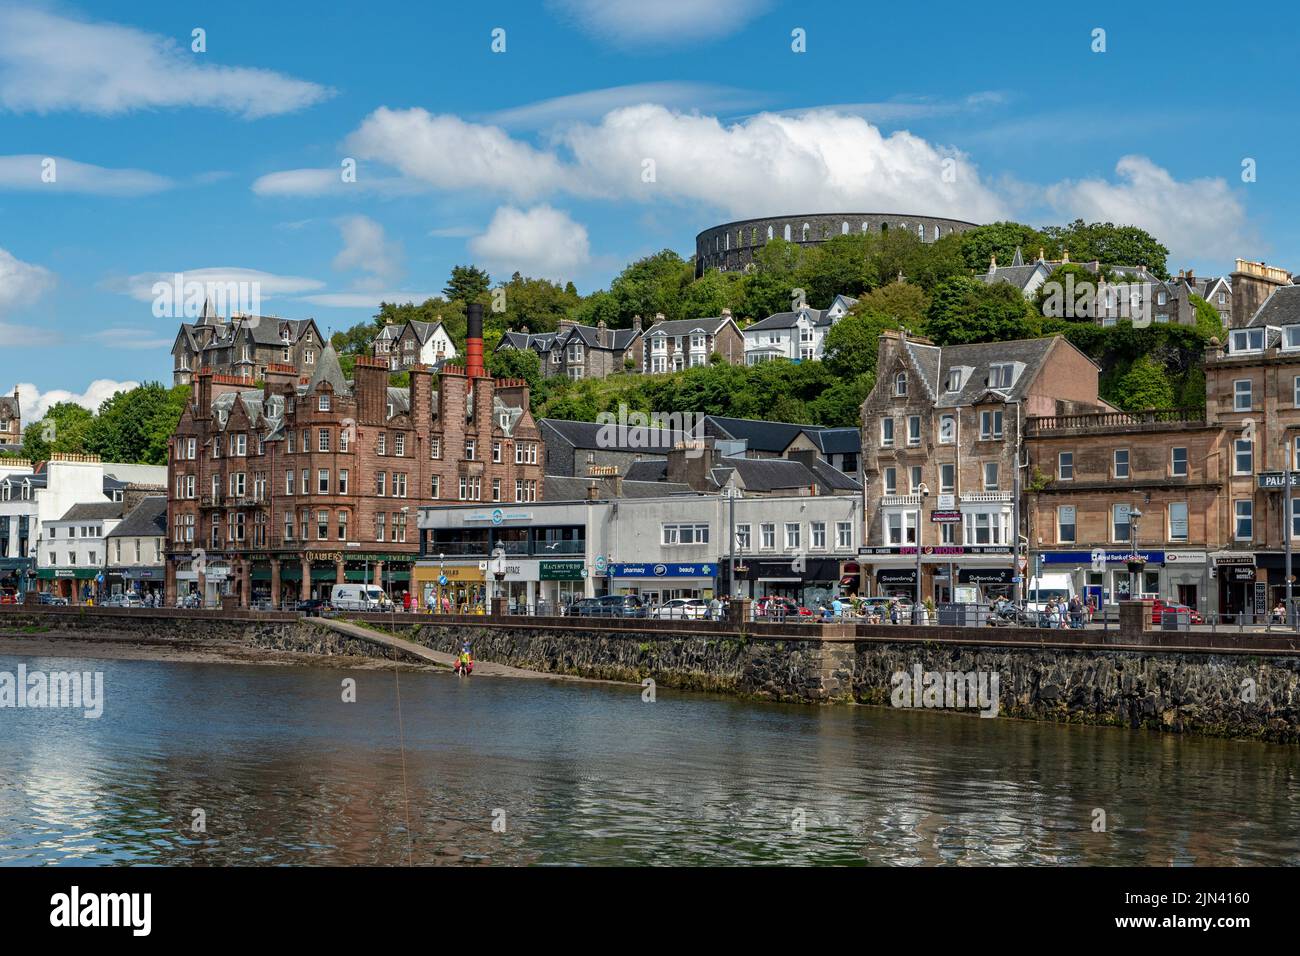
<point>1047,586</point>
<point>359,597</point>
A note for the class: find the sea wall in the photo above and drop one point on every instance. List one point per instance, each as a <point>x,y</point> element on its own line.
<point>1139,680</point>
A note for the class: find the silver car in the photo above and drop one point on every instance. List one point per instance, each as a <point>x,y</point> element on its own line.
<point>682,608</point>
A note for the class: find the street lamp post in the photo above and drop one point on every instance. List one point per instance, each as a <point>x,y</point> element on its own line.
<point>1134,517</point>
<point>917,615</point>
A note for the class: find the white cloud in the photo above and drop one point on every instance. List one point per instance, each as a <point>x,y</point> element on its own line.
<point>453,232</point>
<point>1199,218</point>
<point>33,403</point>
<point>446,152</point>
<point>31,172</point>
<point>132,339</point>
<point>21,283</point>
<point>593,104</point>
<point>632,23</point>
<point>50,62</point>
<point>365,247</point>
<point>25,336</point>
<point>365,299</point>
<point>541,241</point>
<point>767,164</point>
<point>140,285</point>
<point>772,164</point>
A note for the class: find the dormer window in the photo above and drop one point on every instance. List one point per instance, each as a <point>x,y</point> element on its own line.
<point>900,384</point>
<point>1247,340</point>
<point>1291,337</point>
<point>1000,375</point>
<point>323,402</point>
<point>954,380</point>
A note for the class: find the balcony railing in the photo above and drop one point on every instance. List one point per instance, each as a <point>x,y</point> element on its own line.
<point>892,501</point>
<point>1110,421</point>
<point>978,497</point>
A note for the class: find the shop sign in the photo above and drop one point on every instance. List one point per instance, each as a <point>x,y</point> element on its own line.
<point>939,550</point>
<point>1185,557</point>
<point>896,576</point>
<point>946,517</point>
<point>561,571</point>
<point>1261,598</point>
<point>985,576</point>
<point>1276,479</point>
<point>500,516</point>
<point>1224,560</point>
<point>1112,557</point>
<point>663,570</point>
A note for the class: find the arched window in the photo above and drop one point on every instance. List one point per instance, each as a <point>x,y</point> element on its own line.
<point>866,227</point>
<point>787,232</point>
<point>804,233</point>
<point>884,227</point>
<point>844,228</point>
<point>900,384</point>
<point>769,233</point>
<point>753,236</point>
<point>920,231</point>
<point>727,239</point>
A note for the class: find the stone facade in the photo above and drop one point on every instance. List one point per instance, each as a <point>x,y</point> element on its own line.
<point>299,485</point>
<point>732,246</point>
<point>244,346</point>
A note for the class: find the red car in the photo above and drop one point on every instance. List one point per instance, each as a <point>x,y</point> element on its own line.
<point>775,606</point>
<point>1161,605</point>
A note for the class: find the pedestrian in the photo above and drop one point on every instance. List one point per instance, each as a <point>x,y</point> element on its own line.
<point>837,609</point>
<point>715,609</point>
<point>406,602</point>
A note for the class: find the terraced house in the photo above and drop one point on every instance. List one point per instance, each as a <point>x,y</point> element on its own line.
<point>413,343</point>
<point>280,492</point>
<point>690,343</point>
<point>576,351</point>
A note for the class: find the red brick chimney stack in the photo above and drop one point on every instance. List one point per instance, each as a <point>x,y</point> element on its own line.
<point>474,340</point>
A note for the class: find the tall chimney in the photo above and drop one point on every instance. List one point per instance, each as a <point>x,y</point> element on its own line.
<point>474,340</point>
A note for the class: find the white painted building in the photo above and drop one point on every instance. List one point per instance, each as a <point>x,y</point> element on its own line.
<point>799,336</point>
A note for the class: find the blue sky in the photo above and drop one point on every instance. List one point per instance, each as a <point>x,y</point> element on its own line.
<point>533,159</point>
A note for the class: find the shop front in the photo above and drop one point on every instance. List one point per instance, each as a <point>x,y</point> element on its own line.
<point>450,588</point>
<point>962,573</point>
<point>656,583</point>
<point>1105,576</point>
<point>17,575</point>
<point>561,583</point>
<point>147,583</point>
<point>77,585</point>
<point>807,581</point>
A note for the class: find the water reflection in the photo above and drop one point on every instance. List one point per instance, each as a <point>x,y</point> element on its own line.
<point>285,772</point>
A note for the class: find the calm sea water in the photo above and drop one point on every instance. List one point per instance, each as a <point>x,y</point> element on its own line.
<point>286,773</point>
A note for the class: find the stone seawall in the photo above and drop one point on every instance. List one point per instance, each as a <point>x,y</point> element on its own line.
<point>1229,695</point>
<point>1230,692</point>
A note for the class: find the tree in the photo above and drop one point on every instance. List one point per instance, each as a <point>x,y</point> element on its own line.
<point>62,429</point>
<point>1001,239</point>
<point>516,363</point>
<point>649,286</point>
<point>838,266</point>
<point>1208,319</point>
<point>467,284</point>
<point>905,302</point>
<point>1145,385</point>
<point>965,310</point>
<point>1111,244</point>
<point>713,292</point>
<point>853,343</point>
<point>537,303</point>
<point>1051,298</point>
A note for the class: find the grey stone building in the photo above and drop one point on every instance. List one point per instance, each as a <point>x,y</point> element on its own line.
<point>581,351</point>
<point>690,343</point>
<point>11,423</point>
<point>244,346</point>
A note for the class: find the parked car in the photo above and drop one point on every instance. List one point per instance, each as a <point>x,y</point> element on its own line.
<point>689,608</point>
<point>52,599</point>
<point>775,607</point>
<point>611,605</point>
<point>313,607</point>
<point>1160,605</point>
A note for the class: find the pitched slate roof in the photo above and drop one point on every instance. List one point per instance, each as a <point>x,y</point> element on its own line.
<point>1027,354</point>
<point>1280,308</point>
<point>788,320</point>
<point>148,519</point>
<point>9,406</point>
<point>647,469</point>
<point>759,435</point>
<point>590,435</point>
<point>835,441</point>
<point>710,325</point>
<point>94,511</point>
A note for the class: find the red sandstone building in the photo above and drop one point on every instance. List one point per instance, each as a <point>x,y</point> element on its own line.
<point>277,493</point>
